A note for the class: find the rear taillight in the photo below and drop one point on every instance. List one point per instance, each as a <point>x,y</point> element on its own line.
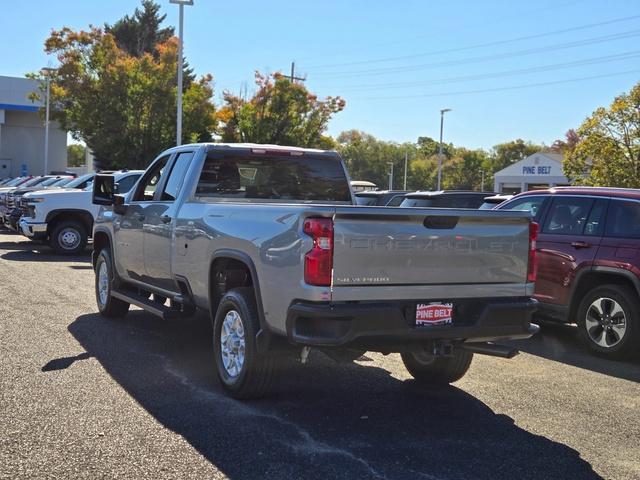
<point>532,270</point>
<point>318,262</point>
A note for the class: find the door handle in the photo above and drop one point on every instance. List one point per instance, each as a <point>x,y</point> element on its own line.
<point>580,244</point>
<point>165,219</point>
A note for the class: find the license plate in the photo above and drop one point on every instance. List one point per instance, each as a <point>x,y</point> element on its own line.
<point>433,313</point>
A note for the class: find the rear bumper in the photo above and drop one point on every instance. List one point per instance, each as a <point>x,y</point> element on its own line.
<point>391,325</point>
<point>33,230</point>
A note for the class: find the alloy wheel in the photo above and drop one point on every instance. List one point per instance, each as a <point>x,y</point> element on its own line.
<point>605,322</point>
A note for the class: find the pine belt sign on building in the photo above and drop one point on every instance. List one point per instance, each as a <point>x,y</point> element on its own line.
<point>540,170</point>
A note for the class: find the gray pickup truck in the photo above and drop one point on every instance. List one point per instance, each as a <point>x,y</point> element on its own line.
<point>270,241</point>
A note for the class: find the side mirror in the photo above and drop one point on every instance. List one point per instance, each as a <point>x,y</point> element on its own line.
<point>103,190</point>
<point>119,206</point>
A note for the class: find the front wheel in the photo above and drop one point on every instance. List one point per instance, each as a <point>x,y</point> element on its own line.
<point>609,321</point>
<point>68,237</point>
<point>104,274</point>
<point>243,372</point>
<point>436,369</point>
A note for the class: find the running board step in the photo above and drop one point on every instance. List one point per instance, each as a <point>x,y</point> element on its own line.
<point>488,348</point>
<point>162,311</point>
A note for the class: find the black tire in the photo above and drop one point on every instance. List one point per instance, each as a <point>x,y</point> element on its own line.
<point>111,307</point>
<point>437,370</point>
<point>68,237</point>
<point>256,375</point>
<point>615,343</point>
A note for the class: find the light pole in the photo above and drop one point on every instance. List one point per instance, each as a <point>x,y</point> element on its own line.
<point>47,72</point>
<point>442,112</point>
<point>390,176</point>
<point>406,159</point>
<point>181,4</point>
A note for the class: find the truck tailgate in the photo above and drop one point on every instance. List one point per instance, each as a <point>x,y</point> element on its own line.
<point>430,246</point>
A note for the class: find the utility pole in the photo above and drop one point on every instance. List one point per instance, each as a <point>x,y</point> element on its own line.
<point>406,157</point>
<point>47,72</point>
<point>293,77</point>
<point>442,112</point>
<point>181,4</point>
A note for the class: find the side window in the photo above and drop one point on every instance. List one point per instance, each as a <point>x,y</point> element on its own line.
<point>623,219</point>
<point>533,204</point>
<point>568,215</point>
<point>147,187</point>
<point>126,183</point>
<point>178,171</point>
<point>595,222</point>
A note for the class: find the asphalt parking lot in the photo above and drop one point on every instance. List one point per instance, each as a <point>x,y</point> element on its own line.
<point>84,397</point>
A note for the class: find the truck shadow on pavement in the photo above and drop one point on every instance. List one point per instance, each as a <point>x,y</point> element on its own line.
<point>561,343</point>
<point>29,251</point>
<point>327,421</point>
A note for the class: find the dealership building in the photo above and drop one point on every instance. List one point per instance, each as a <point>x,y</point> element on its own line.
<point>540,170</point>
<point>22,132</point>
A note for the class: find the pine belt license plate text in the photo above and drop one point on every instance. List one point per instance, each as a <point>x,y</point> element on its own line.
<point>433,313</point>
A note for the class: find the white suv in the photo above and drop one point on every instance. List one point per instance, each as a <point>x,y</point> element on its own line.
<point>65,217</point>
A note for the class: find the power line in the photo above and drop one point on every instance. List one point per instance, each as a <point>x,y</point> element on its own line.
<point>468,60</point>
<point>555,5</point>
<point>483,76</point>
<point>501,89</point>
<point>479,45</point>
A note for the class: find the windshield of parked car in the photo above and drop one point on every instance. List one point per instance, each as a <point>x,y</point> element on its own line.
<point>34,181</point>
<point>247,175</point>
<point>14,182</point>
<point>62,182</point>
<point>50,181</point>
<point>80,182</point>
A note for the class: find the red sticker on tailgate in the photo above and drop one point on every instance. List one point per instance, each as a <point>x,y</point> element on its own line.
<point>435,313</point>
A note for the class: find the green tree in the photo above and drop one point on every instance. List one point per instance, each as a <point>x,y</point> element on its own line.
<point>607,149</point>
<point>122,106</point>
<point>141,32</point>
<point>280,113</point>
<point>464,170</point>
<point>368,158</point>
<point>75,155</point>
<point>508,153</point>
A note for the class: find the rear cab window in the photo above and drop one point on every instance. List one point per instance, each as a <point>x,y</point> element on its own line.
<point>273,177</point>
<point>445,201</point>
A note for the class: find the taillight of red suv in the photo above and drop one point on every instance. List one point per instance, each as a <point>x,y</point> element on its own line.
<point>318,262</point>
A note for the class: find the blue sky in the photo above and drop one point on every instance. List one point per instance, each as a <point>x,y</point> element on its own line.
<point>507,69</point>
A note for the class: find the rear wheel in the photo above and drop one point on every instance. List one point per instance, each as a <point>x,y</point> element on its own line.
<point>107,305</point>
<point>68,237</point>
<point>243,372</point>
<point>609,321</point>
<point>437,369</point>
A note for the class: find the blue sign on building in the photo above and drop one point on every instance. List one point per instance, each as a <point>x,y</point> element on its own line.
<point>23,170</point>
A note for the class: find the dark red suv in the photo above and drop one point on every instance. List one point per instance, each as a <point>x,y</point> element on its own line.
<point>589,262</point>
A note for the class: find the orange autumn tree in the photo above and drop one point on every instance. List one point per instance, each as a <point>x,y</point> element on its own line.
<point>280,112</point>
<point>124,106</point>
